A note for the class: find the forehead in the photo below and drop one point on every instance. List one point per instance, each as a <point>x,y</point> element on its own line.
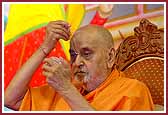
<point>83,39</point>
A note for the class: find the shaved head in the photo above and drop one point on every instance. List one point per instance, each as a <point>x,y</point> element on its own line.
<point>98,33</point>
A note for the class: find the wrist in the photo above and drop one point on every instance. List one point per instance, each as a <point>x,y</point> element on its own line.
<point>66,92</point>
<point>43,50</point>
<point>75,100</point>
<point>49,45</point>
<point>47,48</point>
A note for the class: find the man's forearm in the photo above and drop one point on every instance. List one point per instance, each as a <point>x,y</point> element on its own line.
<point>19,84</point>
<point>75,100</point>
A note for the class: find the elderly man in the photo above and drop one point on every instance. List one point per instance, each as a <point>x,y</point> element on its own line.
<point>90,82</point>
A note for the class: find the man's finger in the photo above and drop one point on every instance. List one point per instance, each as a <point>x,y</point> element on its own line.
<point>49,61</point>
<point>60,32</point>
<point>47,74</point>
<point>60,22</point>
<point>67,31</point>
<point>57,60</point>
<point>47,68</point>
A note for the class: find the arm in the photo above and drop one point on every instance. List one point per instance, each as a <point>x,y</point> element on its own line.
<point>19,84</point>
<point>17,88</point>
<point>58,75</point>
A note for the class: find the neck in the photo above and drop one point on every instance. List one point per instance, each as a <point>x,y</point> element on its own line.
<point>99,80</point>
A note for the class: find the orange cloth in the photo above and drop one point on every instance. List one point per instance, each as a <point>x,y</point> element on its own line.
<point>115,93</point>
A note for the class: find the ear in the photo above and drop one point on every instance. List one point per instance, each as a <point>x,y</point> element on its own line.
<point>111,58</point>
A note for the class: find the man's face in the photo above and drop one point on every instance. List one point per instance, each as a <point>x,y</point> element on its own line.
<point>88,60</point>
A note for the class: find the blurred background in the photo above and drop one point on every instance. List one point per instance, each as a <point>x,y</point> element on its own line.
<point>24,28</point>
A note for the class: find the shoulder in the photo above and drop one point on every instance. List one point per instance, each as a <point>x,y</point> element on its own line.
<point>134,83</point>
<point>135,87</point>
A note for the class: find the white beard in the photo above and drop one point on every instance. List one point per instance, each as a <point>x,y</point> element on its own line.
<point>86,78</point>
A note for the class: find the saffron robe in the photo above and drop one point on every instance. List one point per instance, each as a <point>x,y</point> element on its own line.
<point>116,93</point>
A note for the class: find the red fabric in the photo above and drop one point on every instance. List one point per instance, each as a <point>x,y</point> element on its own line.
<point>98,19</point>
<point>21,49</point>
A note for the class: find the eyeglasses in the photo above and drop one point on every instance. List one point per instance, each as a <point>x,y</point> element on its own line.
<point>73,55</point>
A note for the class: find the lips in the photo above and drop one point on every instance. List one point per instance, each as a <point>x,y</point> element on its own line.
<point>80,73</point>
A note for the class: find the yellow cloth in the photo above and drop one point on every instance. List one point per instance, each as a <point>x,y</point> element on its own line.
<point>115,93</point>
<point>33,14</point>
<point>38,15</point>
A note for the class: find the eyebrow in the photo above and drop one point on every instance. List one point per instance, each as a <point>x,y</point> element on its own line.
<point>82,49</point>
<point>86,49</point>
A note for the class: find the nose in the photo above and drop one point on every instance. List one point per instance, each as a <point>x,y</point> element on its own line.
<point>79,62</point>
